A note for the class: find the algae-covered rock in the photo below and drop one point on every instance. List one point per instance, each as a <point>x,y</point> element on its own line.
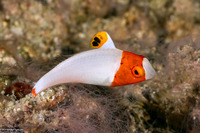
<point>36,34</point>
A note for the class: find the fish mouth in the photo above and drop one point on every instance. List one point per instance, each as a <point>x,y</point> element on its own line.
<point>149,70</point>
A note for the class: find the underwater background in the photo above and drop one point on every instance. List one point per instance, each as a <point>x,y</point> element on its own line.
<point>35,35</point>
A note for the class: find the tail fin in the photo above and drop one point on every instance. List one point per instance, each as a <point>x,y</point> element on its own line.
<point>33,93</point>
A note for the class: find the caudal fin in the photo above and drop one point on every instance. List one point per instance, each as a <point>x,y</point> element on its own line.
<point>33,93</point>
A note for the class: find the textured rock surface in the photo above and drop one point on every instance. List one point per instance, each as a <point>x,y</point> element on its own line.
<point>35,35</point>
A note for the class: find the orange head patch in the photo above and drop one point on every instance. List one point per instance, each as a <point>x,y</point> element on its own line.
<point>130,71</point>
<point>99,39</point>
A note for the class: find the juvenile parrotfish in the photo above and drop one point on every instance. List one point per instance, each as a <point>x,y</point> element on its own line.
<point>105,65</point>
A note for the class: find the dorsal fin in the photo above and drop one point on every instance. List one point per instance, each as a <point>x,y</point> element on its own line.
<point>102,40</point>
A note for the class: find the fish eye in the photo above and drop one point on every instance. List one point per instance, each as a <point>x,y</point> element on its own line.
<point>138,71</point>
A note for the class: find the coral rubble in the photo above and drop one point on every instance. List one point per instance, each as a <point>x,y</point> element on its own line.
<point>36,33</point>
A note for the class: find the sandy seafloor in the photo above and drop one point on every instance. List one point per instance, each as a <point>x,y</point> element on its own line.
<point>35,35</point>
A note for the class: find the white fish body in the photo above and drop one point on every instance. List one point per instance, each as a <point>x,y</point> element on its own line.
<point>96,66</point>
<point>106,66</point>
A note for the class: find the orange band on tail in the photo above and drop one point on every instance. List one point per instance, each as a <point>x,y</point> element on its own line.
<point>124,75</point>
<point>33,93</point>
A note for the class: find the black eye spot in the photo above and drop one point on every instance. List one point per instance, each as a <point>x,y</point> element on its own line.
<point>97,39</point>
<point>136,72</point>
<point>95,43</point>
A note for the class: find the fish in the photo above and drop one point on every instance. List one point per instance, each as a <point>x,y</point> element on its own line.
<point>104,65</point>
